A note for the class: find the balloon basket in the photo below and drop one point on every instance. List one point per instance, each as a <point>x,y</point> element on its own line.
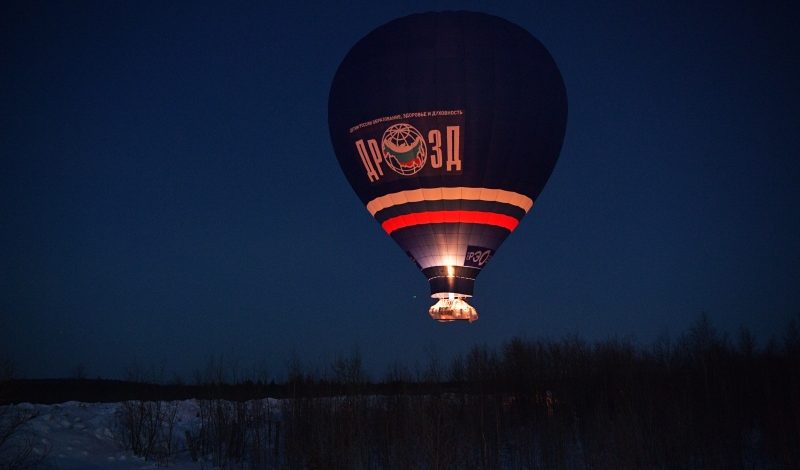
<point>448,310</point>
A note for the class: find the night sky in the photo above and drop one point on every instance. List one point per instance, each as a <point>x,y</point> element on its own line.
<point>169,193</point>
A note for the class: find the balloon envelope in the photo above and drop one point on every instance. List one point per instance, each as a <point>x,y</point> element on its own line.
<point>447,126</point>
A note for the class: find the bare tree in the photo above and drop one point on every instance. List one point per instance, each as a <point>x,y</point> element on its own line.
<point>147,429</point>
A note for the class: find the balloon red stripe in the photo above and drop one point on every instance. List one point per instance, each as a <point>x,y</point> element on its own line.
<point>450,217</point>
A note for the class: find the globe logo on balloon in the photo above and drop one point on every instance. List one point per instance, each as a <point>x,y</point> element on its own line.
<point>404,149</point>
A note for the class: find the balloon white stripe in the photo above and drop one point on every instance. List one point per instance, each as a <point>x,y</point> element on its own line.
<point>450,194</point>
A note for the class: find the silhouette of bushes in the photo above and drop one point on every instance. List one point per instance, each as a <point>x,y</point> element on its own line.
<point>234,433</point>
<point>697,402</point>
<point>18,447</point>
<point>147,429</point>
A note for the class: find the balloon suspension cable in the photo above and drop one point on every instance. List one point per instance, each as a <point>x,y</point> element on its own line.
<point>452,309</point>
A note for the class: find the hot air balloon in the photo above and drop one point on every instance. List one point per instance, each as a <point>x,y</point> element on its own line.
<point>447,126</point>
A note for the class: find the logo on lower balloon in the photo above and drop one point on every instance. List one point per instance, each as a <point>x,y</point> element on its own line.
<point>404,149</point>
<point>477,256</point>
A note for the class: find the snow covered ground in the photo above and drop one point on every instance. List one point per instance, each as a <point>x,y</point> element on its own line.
<point>75,435</point>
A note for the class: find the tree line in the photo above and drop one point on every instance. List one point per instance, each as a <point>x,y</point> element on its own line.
<point>702,400</point>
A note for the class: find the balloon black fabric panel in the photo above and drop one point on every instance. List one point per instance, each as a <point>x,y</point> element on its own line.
<point>492,83</point>
<point>448,125</point>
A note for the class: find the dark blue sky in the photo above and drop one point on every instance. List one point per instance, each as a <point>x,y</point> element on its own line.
<point>168,190</point>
